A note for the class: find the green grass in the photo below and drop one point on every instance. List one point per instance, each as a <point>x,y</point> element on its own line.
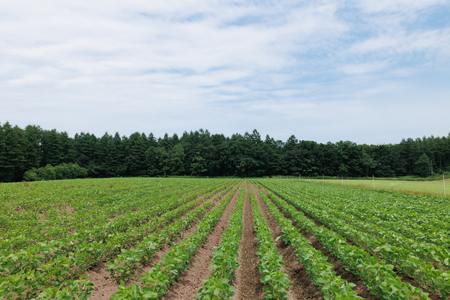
<point>435,188</point>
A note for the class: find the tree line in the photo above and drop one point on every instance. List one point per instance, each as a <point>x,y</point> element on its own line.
<point>201,153</point>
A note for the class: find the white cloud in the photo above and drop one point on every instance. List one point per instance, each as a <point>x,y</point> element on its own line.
<point>174,66</point>
<point>397,5</point>
<point>357,69</point>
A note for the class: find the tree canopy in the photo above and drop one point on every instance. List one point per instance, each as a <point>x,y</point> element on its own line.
<point>204,154</point>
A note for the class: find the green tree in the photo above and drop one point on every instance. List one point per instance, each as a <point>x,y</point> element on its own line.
<point>51,148</point>
<point>177,160</point>
<point>32,150</point>
<point>422,166</point>
<point>157,161</point>
<point>199,166</point>
<point>12,159</point>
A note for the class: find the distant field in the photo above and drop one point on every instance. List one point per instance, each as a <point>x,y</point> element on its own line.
<point>435,188</point>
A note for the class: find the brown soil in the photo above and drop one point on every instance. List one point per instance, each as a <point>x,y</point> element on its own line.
<point>302,286</point>
<point>190,281</point>
<point>248,276</point>
<point>69,210</point>
<point>106,286</point>
<point>360,289</point>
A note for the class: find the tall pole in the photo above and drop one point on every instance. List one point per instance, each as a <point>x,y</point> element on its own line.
<point>443,178</point>
<point>373,180</point>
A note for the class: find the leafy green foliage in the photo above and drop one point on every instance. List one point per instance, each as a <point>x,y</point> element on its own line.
<point>358,261</point>
<point>62,171</point>
<point>159,279</point>
<point>276,282</point>
<point>40,266</point>
<point>316,264</point>
<point>201,153</point>
<point>381,241</point>
<point>225,258</point>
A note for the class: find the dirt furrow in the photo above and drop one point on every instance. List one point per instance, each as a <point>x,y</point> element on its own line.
<point>361,289</point>
<point>248,276</point>
<point>190,281</point>
<point>106,286</point>
<point>302,286</point>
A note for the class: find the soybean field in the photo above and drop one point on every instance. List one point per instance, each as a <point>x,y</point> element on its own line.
<point>190,238</point>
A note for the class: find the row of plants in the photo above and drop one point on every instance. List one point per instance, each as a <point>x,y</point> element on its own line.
<point>125,264</point>
<point>276,281</point>
<point>110,234</point>
<point>315,263</point>
<point>418,217</point>
<point>225,258</point>
<point>424,274</point>
<point>28,226</point>
<point>377,275</point>
<point>70,260</point>
<point>438,256</point>
<point>159,279</point>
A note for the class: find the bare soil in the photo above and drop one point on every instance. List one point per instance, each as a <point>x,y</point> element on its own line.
<point>248,276</point>
<point>301,286</point>
<point>190,281</point>
<point>106,286</point>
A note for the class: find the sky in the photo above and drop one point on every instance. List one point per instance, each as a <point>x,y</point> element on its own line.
<point>370,72</point>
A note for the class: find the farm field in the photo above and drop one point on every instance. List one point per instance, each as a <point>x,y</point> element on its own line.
<point>435,188</point>
<point>179,238</point>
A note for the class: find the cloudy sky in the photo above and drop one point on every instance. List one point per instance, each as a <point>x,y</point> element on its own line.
<point>366,71</point>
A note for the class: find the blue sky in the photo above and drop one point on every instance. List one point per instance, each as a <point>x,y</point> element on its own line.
<point>367,71</point>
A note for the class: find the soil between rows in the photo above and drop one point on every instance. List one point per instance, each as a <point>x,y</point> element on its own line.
<point>248,276</point>
<point>301,286</point>
<point>190,280</point>
<point>105,286</point>
<point>360,289</point>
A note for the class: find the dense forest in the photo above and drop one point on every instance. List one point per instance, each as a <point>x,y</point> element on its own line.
<point>201,153</point>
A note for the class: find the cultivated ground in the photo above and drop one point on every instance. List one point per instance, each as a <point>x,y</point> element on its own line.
<point>218,239</point>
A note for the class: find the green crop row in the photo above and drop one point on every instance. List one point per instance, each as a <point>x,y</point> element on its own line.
<point>276,282</point>
<point>377,275</point>
<point>35,222</point>
<point>316,264</point>
<point>411,225</point>
<point>159,279</point>
<point>124,265</point>
<point>437,255</point>
<point>33,256</point>
<point>421,220</point>
<point>225,258</point>
<point>437,281</point>
<point>68,262</point>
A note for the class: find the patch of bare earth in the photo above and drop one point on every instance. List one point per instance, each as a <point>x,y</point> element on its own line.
<point>105,286</point>
<point>301,286</point>
<point>68,209</point>
<point>248,284</point>
<point>190,281</point>
<point>360,289</point>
